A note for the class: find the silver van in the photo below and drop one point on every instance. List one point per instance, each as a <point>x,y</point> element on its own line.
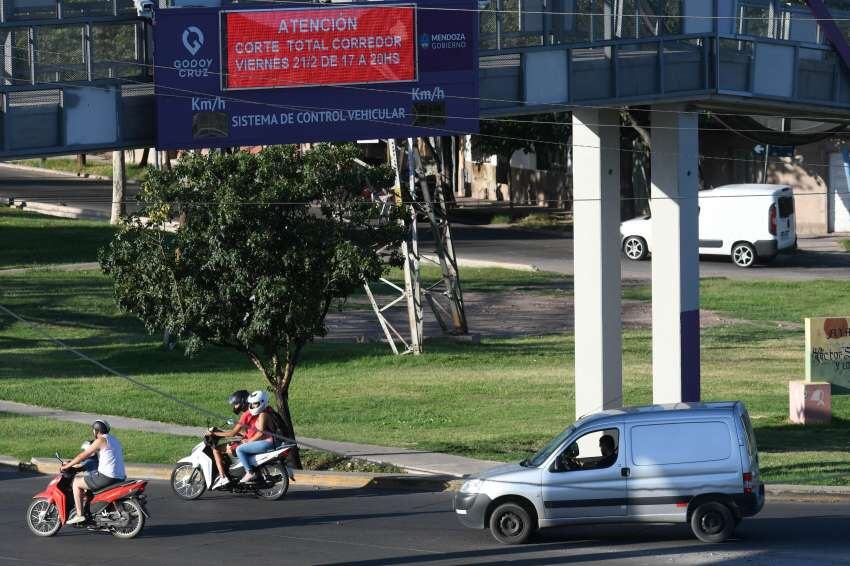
<point>689,462</point>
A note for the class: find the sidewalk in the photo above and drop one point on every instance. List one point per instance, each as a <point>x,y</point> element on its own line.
<point>412,461</point>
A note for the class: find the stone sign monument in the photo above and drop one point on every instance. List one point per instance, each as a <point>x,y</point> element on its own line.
<point>828,352</point>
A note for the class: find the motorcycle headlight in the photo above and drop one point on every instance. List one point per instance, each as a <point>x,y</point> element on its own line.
<point>472,486</point>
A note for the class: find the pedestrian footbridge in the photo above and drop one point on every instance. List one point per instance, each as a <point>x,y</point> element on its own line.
<point>537,55</point>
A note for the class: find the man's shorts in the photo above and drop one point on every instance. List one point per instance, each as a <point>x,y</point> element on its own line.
<point>95,480</point>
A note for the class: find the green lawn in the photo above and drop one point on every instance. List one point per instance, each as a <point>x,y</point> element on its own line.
<point>499,400</point>
<point>92,167</point>
<point>32,239</point>
<point>767,300</point>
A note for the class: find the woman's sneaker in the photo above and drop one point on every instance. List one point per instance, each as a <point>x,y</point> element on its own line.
<point>75,520</point>
<point>221,482</point>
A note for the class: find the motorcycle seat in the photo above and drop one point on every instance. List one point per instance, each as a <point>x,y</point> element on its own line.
<point>113,486</point>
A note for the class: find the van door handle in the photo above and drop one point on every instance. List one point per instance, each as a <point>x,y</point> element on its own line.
<point>625,472</point>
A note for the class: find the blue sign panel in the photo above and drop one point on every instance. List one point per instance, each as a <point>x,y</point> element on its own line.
<point>263,76</point>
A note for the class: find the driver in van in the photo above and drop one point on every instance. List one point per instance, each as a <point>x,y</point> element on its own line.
<point>608,448</point>
<point>239,403</point>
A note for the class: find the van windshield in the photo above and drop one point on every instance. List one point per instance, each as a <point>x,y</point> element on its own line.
<point>544,453</point>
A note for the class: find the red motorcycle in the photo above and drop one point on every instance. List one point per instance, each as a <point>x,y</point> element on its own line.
<point>119,509</point>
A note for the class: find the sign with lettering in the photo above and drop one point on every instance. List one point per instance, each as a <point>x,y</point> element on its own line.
<point>828,351</point>
<point>291,48</point>
<point>260,76</point>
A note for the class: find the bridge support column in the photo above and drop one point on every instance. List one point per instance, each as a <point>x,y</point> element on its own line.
<point>596,243</point>
<point>119,181</point>
<point>675,258</point>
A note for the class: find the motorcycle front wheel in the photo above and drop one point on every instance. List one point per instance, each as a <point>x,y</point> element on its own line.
<point>276,477</point>
<point>132,511</point>
<point>43,518</point>
<point>187,481</point>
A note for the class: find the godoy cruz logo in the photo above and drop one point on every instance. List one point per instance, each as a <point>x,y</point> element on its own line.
<point>196,42</point>
<point>193,41</point>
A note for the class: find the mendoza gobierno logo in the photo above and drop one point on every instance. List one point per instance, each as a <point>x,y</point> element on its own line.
<point>456,40</point>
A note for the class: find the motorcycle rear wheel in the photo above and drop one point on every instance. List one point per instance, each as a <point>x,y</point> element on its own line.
<point>278,489</point>
<point>136,520</point>
<point>187,481</point>
<point>43,518</point>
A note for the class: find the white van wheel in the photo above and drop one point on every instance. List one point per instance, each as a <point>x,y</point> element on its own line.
<point>634,247</point>
<point>511,524</point>
<point>712,522</point>
<point>744,254</point>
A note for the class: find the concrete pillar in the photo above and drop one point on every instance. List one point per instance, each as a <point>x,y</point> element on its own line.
<point>675,259</point>
<point>596,243</point>
<point>119,180</point>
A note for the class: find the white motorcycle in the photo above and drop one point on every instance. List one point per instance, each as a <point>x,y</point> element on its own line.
<point>193,475</point>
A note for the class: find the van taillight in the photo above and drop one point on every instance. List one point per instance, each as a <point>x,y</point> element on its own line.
<point>748,482</point>
<point>772,220</point>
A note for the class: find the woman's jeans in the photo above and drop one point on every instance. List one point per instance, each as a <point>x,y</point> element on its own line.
<point>244,451</point>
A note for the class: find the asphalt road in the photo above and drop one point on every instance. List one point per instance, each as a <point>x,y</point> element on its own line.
<point>358,527</point>
<point>548,251</point>
<point>554,252</point>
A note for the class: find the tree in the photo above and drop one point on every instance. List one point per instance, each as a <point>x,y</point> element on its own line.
<point>266,245</point>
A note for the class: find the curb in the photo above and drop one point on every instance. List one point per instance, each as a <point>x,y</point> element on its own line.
<point>363,480</point>
<point>63,211</point>
<point>462,262</point>
<point>58,172</point>
<point>312,478</point>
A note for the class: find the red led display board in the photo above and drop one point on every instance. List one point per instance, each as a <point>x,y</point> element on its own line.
<point>287,48</point>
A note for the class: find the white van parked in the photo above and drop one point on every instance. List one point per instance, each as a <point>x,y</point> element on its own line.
<point>687,462</point>
<point>749,223</point>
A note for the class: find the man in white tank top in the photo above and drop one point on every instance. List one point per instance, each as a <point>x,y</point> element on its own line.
<point>110,467</point>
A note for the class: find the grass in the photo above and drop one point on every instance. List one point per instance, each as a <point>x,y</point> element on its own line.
<point>845,244</point>
<point>497,400</point>
<point>533,221</point>
<point>32,239</point>
<point>767,300</point>
<point>92,167</point>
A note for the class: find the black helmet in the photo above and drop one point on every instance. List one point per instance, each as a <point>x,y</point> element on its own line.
<point>239,401</point>
<point>100,426</point>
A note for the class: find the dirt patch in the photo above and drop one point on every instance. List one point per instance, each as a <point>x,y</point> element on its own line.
<point>508,314</point>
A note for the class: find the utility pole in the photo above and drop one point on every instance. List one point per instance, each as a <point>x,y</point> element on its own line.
<point>119,180</point>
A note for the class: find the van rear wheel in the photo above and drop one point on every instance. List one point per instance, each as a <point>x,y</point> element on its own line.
<point>511,524</point>
<point>744,254</point>
<point>712,522</point>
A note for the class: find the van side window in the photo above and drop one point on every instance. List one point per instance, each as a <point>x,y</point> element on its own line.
<point>592,451</point>
<point>680,443</point>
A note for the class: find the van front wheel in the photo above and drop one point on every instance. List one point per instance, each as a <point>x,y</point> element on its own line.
<point>510,524</point>
<point>712,522</point>
<point>744,254</point>
<point>634,247</point>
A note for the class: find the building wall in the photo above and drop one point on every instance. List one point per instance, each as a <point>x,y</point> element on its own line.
<point>729,158</point>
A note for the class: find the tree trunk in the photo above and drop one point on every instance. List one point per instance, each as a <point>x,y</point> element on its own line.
<point>294,458</point>
<point>145,154</point>
<point>81,160</point>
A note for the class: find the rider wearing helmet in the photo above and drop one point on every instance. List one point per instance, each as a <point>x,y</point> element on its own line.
<point>256,439</point>
<point>110,467</point>
<point>238,401</point>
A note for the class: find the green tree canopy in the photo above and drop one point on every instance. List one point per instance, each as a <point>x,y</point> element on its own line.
<point>266,244</point>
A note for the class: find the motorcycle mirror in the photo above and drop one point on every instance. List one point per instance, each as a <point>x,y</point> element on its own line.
<point>56,455</point>
<point>230,422</point>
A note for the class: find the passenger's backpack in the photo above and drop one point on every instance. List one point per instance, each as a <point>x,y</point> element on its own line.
<point>276,426</point>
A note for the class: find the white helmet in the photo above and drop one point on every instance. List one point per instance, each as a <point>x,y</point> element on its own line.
<point>260,397</point>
